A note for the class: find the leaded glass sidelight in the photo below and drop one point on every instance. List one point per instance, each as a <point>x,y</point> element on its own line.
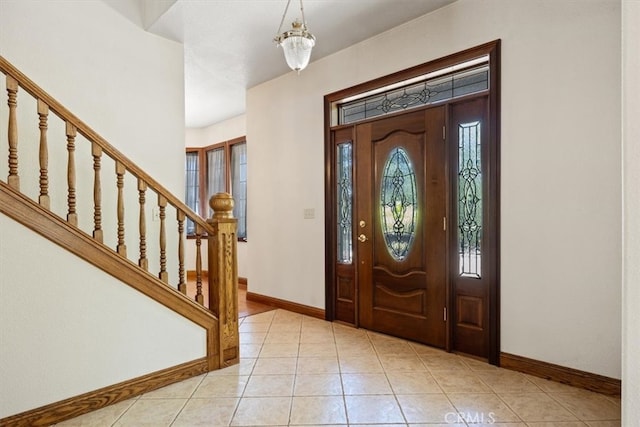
<point>398,204</point>
<point>344,173</point>
<point>469,199</point>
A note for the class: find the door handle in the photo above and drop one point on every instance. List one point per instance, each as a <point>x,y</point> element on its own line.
<point>362,238</point>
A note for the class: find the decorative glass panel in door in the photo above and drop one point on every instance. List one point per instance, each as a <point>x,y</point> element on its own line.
<point>344,194</point>
<point>398,204</point>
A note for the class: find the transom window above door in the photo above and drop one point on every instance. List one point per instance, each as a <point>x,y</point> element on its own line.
<point>461,79</point>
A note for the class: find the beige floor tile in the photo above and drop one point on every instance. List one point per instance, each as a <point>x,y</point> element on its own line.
<point>365,384</point>
<point>252,337</point>
<point>443,362</point>
<point>286,327</point>
<point>348,331</point>
<point>102,417</point>
<point>392,346</point>
<point>275,365</point>
<point>536,407</point>
<point>483,408</point>
<point>615,399</point>
<point>183,389</point>
<point>283,316</point>
<point>254,327</point>
<point>298,370</point>
<point>222,386</point>
<point>250,350</point>
<point>359,364</point>
<point>551,386</point>
<point>318,385</point>
<point>279,350</point>
<point>275,337</point>
<point>265,317</point>
<point>478,365</point>
<point>318,410</point>
<point>347,349</point>
<point>373,409</point>
<point>452,424</point>
<point>381,425</point>
<point>318,365</point>
<point>245,367</point>
<point>503,381</point>
<point>317,329</point>
<point>426,408</point>
<point>401,363</point>
<point>556,424</point>
<point>426,349</point>
<point>460,381</point>
<point>317,337</point>
<point>207,412</point>
<point>588,406</point>
<point>617,423</point>
<point>317,350</point>
<point>262,411</point>
<point>498,425</point>
<point>269,386</point>
<point>152,412</point>
<point>413,382</point>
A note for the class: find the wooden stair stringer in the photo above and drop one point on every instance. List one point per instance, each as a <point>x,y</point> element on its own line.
<point>40,220</point>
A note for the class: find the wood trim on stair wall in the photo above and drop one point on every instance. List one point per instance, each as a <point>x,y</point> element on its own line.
<point>94,400</point>
<point>30,214</point>
<point>562,374</point>
<point>287,305</point>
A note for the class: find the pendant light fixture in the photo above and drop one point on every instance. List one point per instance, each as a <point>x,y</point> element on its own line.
<point>297,42</point>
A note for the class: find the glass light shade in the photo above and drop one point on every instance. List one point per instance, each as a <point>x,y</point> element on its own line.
<point>296,45</point>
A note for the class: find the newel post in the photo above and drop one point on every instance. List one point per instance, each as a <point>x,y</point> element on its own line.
<point>223,276</point>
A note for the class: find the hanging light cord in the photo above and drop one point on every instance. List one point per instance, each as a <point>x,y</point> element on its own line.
<point>304,21</point>
<point>282,20</point>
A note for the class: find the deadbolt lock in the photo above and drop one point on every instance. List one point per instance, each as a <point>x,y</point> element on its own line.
<point>362,238</point>
<point>362,223</point>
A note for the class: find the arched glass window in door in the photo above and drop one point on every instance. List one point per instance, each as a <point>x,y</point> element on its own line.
<point>398,204</point>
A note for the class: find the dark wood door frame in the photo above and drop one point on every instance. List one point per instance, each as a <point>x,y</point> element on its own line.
<point>491,271</point>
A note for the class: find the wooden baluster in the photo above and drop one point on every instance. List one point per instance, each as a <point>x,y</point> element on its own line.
<point>96,152</point>
<point>199,296</point>
<point>164,276</point>
<point>182,286</point>
<point>12,90</point>
<point>120,170</point>
<point>72,216</point>
<point>43,114</point>
<point>143,261</point>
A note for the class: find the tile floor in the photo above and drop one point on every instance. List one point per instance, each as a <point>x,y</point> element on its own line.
<point>297,370</point>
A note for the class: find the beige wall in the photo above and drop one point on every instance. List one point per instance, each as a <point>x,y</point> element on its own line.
<point>65,327</point>
<point>631,141</point>
<point>561,184</point>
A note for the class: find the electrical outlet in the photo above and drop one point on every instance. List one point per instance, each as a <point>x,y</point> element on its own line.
<point>309,213</point>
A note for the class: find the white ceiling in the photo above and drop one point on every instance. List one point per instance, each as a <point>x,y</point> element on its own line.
<point>228,44</point>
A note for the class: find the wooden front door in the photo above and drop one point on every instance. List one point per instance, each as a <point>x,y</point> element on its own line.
<point>400,211</point>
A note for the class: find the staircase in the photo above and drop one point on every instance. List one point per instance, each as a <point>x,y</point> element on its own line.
<point>97,230</point>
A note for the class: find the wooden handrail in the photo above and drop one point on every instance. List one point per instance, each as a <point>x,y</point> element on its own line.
<point>218,315</point>
<point>37,92</point>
